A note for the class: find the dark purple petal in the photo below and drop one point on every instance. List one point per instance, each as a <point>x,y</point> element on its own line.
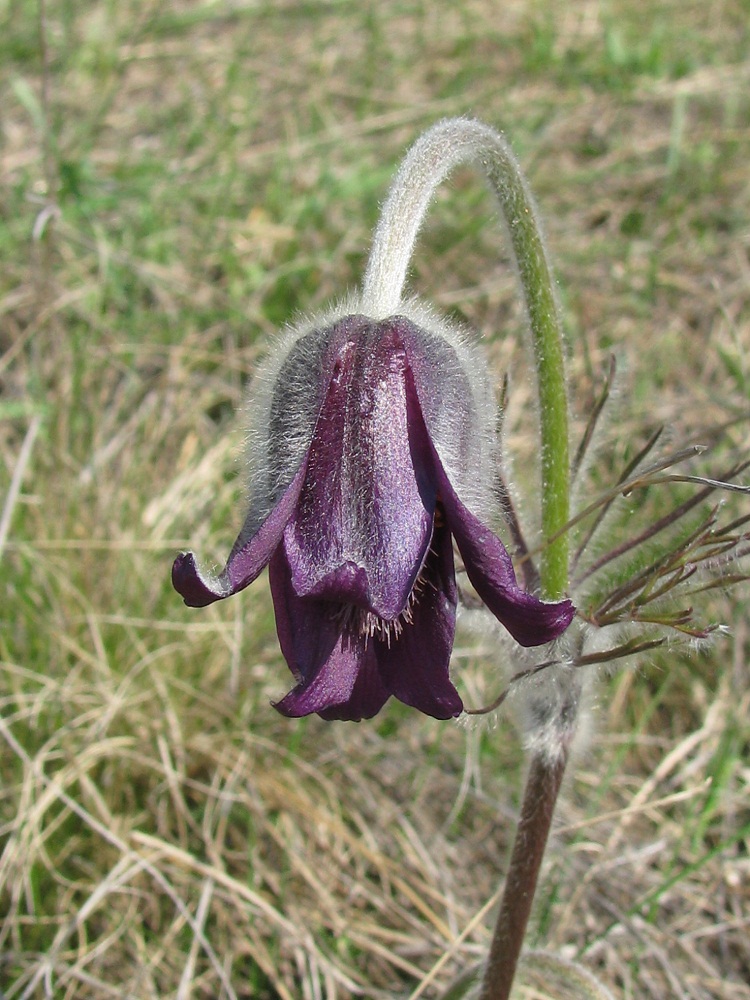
<point>335,665</point>
<point>292,413</point>
<point>363,523</point>
<point>308,629</point>
<point>530,621</point>
<point>289,411</point>
<point>415,666</point>
<point>247,559</point>
<point>368,694</point>
<point>453,392</point>
<point>347,686</point>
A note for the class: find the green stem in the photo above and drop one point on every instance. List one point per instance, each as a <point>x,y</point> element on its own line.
<point>547,344</point>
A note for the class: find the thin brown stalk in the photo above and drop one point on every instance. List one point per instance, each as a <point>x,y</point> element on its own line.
<point>542,788</point>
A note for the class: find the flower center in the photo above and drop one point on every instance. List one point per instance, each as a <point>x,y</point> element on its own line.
<point>366,624</point>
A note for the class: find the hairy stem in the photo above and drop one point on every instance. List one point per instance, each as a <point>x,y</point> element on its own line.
<point>542,788</point>
<point>428,162</point>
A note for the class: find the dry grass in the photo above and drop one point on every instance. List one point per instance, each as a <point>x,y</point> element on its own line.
<point>189,176</point>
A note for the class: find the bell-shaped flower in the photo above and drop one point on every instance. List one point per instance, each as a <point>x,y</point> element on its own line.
<point>373,451</point>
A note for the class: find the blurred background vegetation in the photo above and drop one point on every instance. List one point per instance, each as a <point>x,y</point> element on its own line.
<point>177,181</point>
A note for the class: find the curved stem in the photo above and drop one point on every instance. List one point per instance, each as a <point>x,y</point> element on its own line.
<point>427,163</point>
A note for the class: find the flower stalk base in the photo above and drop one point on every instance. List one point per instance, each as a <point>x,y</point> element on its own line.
<point>542,788</point>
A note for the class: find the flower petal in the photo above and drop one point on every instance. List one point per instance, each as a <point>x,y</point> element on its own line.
<point>415,665</point>
<point>368,694</point>
<point>364,518</point>
<point>336,667</point>
<point>530,621</point>
<point>455,401</point>
<point>247,559</point>
<point>288,414</point>
<point>347,686</point>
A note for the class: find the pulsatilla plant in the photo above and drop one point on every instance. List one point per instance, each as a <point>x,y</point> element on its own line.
<point>373,451</point>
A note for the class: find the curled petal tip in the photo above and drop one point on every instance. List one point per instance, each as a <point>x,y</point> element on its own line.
<point>196,590</point>
<point>552,621</point>
<point>567,613</point>
<point>530,621</point>
<point>248,558</point>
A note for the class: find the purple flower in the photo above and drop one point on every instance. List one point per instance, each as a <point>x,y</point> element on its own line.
<point>374,442</point>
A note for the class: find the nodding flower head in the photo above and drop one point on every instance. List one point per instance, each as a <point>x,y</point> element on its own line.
<point>373,450</point>
<point>376,453</point>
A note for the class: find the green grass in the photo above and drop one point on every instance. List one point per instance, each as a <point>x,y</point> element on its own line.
<point>178,181</point>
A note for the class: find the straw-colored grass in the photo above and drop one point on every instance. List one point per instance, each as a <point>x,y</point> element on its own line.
<point>176,181</point>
